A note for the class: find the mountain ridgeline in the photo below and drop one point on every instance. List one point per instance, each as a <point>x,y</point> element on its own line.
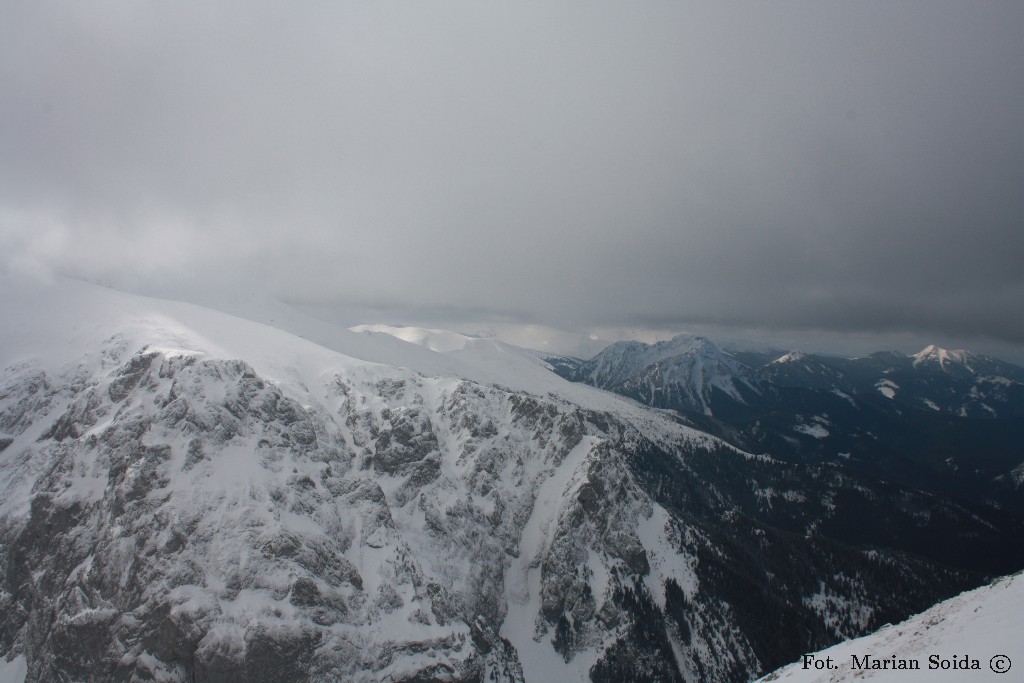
<point>194,498</point>
<point>947,422</point>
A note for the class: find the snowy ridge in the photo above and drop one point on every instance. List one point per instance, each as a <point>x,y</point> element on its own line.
<point>361,516</point>
<point>943,357</point>
<point>684,369</point>
<point>980,628</point>
<point>791,357</point>
<point>55,321</point>
<point>441,341</point>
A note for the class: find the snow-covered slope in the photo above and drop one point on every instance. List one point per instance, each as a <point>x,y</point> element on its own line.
<point>356,514</point>
<point>680,372</point>
<point>441,341</point>
<point>60,319</point>
<point>191,496</point>
<point>943,358</point>
<point>976,636</point>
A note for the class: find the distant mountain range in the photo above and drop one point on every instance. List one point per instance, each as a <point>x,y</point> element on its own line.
<point>950,422</point>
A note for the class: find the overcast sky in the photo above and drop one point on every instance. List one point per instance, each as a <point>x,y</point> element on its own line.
<point>853,167</point>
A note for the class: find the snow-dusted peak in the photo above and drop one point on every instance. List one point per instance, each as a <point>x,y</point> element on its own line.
<point>791,357</point>
<point>933,354</point>
<point>678,372</point>
<point>639,354</point>
<point>690,344</point>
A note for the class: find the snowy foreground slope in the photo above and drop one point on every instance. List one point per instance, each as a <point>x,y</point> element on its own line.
<point>976,636</point>
<point>189,496</point>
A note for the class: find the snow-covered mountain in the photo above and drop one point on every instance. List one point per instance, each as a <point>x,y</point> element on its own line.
<point>934,379</point>
<point>975,636</point>
<point>190,496</point>
<point>797,368</point>
<point>948,422</point>
<point>683,371</point>
<point>944,359</point>
<point>963,363</point>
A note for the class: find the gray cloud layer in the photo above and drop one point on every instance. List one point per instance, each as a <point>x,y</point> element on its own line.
<point>839,166</point>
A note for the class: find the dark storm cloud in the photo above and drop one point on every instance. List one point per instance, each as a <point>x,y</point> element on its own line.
<point>852,166</point>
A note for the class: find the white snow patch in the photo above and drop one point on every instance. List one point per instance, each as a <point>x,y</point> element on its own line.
<point>14,671</point>
<point>599,577</point>
<point>815,430</point>
<point>523,580</point>
<point>887,388</point>
<point>843,394</point>
<point>794,496</point>
<point>660,542</point>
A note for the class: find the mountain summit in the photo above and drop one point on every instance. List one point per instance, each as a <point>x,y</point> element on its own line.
<point>685,370</point>
<point>942,357</point>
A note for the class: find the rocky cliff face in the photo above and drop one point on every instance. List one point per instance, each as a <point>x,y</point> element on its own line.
<point>171,513</point>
